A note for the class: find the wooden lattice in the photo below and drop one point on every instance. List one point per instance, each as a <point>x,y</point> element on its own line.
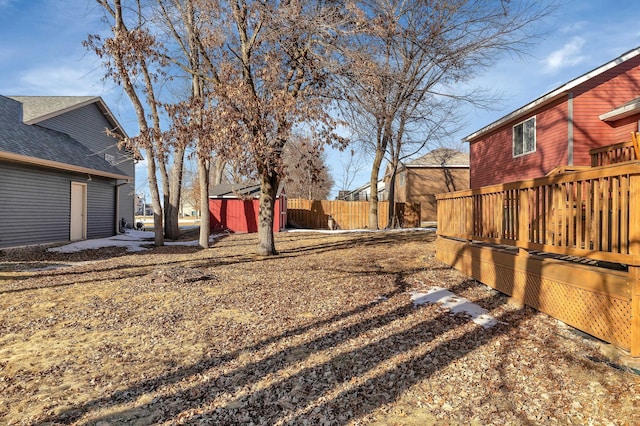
<point>576,296</point>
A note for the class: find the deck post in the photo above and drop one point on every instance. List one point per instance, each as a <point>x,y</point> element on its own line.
<point>634,270</point>
<point>523,218</point>
<point>634,277</point>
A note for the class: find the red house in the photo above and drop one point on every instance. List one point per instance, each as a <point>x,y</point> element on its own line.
<point>599,108</point>
<point>235,207</point>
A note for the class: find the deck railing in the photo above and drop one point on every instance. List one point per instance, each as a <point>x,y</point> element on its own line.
<point>593,213</point>
<point>612,154</point>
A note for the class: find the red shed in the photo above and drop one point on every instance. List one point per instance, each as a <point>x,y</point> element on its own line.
<point>235,207</point>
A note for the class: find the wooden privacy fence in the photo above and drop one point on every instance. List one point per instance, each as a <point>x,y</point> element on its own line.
<point>315,214</point>
<point>590,215</point>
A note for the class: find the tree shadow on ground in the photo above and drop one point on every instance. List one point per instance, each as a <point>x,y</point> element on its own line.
<point>356,370</point>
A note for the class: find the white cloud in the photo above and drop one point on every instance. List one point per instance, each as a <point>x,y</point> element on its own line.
<point>59,80</point>
<point>573,27</point>
<point>567,56</point>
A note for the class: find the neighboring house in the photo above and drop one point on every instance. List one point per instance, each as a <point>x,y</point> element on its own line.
<point>419,181</point>
<point>62,176</point>
<point>188,208</point>
<point>235,208</point>
<point>599,108</point>
<point>363,193</point>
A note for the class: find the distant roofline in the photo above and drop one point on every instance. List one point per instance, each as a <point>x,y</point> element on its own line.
<point>437,166</point>
<point>554,94</point>
<point>241,190</point>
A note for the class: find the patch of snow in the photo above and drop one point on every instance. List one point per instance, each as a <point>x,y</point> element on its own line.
<point>455,304</point>
<point>132,240</point>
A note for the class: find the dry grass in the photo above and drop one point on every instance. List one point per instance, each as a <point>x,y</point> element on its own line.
<point>324,333</point>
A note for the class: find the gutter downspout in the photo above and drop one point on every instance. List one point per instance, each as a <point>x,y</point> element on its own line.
<point>570,129</point>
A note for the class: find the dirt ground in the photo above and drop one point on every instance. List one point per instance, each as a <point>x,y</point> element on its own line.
<point>325,333</point>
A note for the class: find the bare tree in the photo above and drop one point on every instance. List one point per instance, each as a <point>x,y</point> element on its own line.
<point>350,168</point>
<point>190,190</point>
<point>127,55</point>
<point>407,55</point>
<point>191,118</point>
<point>134,58</point>
<point>307,174</point>
<point>430,123</point>
<point>269,78</point>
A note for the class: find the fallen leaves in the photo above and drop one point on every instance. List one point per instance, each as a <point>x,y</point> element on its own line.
<point>324,333</point>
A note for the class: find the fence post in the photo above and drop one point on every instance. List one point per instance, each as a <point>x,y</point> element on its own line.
<point>634,270</point>
<point>469,216</point>
<point>523,215</point>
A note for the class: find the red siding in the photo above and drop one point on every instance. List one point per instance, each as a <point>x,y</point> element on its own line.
<point>241,216</point>
<point>492,159</point>
<point>622,129</point>
<point>491,156</point>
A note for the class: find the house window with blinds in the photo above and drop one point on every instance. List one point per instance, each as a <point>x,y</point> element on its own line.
<point>524,137</point>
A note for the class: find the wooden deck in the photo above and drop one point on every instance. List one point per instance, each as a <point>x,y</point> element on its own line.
<point>567,244</point>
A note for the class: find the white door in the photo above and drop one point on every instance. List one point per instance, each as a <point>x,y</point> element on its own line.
<point>78,230</point>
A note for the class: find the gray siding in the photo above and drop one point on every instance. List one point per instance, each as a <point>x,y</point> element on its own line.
<point>127,202</point>
<point>35,205</point>
<point>101,219</point>
<point>87,125</point>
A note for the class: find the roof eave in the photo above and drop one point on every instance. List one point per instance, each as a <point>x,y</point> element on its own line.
<point>622,112</point>
<point>437,166</point>
<point>60,166</point>
<point>547,99</point>
<point>553,95</point>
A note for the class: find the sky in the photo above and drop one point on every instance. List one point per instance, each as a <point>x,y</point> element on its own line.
<point>41,53</point>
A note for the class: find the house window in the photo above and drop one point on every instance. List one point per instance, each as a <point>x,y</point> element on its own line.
<point>524,137</point>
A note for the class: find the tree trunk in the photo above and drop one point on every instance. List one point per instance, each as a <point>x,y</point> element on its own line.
<point>373,200</point>
<point>172,208</point>
<point>155,201</point>
<point>391,219</point>
<point>218,171</point>
<point>205,224</point>
<point>268,190</point>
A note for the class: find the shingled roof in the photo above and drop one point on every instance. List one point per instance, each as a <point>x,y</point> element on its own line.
<point>38,145</point>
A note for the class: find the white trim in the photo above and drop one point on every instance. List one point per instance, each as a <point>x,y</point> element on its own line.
<point>83,212</point>
<point>553,95</point>
<point>57,165</point>
<point>535,138</point>
<point>621,112</point>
